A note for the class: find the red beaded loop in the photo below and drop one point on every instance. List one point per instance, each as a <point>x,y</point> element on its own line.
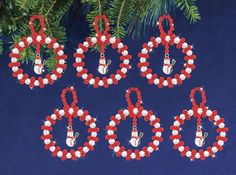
<point>166,40</point>
<point>102,40</point>
<point>37,39</point>
<point>199,112</point>
<point>70,111</point>
<point>134,112</point>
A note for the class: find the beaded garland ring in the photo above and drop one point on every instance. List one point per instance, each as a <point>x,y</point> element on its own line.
<point>102,40</point>
<point>134,112</point>
<point>166,39</point>
<point>37,40</point>
<point>199,112</point>
<point>70,111</point>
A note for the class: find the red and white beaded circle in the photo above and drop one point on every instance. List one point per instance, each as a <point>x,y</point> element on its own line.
<point>137,154</point>
<point>202,154</point>
<point>81,150</point>
<point>37,39</point>
<point>102,39</point>
<point>166,39</point>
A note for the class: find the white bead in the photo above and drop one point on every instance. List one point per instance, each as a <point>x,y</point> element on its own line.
<point>14,69</point>
<point>112,40</point>
<point>15,51</point>
<point>182,116</point>
<point>47,123</point>
<point>221,125</point>
<point>20,76</point>
<point>176,141</point>
<point>144,51</point>
<point>13,60</point>
<point>59,153</point>
<point>150,44</point>
<point>217,117</point>
<point>80,51</point>
<point>103,38</point>
<point>116,149</point>
<point>124,154</point>
<point>149,76</point>
<point>117,76</point>
<point>167,38</point>
<point>156,81</point>
<point>150,149</point>
<point>86,44</point>
<point>220,142</point>
<point>188,70</point>
<point>125,53</point>
<point>55,45</point>
<point>80,112</point>
<point>126,112</point>
<point>61,61</point>
<point>59,70</point>
<point>135,110</point>
<point>92,81</point>
<point>111,141</point>
<point>222,134</point>
<point>48,40</point>
<point>118,116</point>
<point>144,113</point>
<point>152,117</point>
<point>85,149</point>
<point>184,45</point>
<point>52,148</point>
<point>165,83</point>
<point>79,69</point>
<point>53,116</point>
<point>84,76</point>
<point>176,40</point>
<point>189,53</point>
<point>94,40</point>
<point>143,69</point>
<point>110,132</point>
<point>142,60</point>
<point>60,53</point>
<point>120,45</point>
<point>132,155</point>
<point>47,141</point>
<point>126,61</point>
<point>112,123</point>
<point>199,110</point>
<point>175,132</point>
<point>197,155</point>
<point>109,81</point>
<point>158,40</point>
<point>88,117</point>
<point>46,132</point>
<point>101,83</point>
<point>206,153</point>
<point>156,142</point>
<point>182,76</point>
<point>38,38</point>
<point>29,40</point>
<point>188,153</point>
<point>92,125</point>
<point>77,154</point>
<point>124,70</point>
<point>214,149</point>
<point>174,81</point>
<point>53,77</point>
<point>68,155</point>
<point>176,123</point>
<point>91,143</point>
<point>61,112</point>
<point>157,125</point>
<point>27,81</point>
<point>181,148</point>
<point>71,111</point>
<point>208,112</point>
<point>21,44</point>
<point>190,61</point>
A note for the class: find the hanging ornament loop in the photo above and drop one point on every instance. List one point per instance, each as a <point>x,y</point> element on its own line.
<point>203,97</point>
<point>32,27</point>
<point>96,26</point>
<point>74,96</point>
<point>139,97</point>
<point>171,24</point>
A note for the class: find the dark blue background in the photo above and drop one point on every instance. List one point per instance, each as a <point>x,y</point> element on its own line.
<point>22,110</point>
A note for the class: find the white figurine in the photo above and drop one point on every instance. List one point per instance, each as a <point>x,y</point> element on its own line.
<point>71,138</point>
<point>103,66</point>
<point>135,137</point>
<point>38,65</point>
<point>167,65</point>
<point>200,137</point>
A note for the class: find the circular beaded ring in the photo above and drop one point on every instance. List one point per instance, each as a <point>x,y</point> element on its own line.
<point>166,39</point>
<point>37,40</point>
<point>70,111</point>
<point>102,40</point>
<point>134,112</point>
<point>199,112</point>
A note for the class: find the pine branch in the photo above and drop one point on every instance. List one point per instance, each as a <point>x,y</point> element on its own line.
<point>190,9</point>
<point>1,46</point>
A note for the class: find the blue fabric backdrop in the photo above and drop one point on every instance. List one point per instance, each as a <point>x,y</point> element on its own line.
<point>22,111</point>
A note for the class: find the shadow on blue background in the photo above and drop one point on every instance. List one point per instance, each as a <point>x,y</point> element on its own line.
<point>23,111</point>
